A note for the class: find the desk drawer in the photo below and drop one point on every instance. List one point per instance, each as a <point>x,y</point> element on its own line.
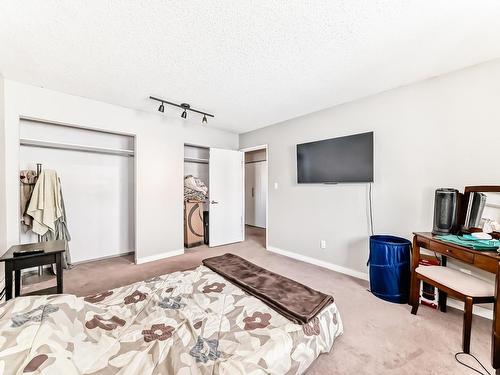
<point>453,253</point>
<point>485,263</point>
<point>33,261</point>
<point>423,242</point>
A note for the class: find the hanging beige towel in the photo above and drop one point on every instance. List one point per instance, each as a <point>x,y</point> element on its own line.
<point>28,179</point>
<point>45,204</point>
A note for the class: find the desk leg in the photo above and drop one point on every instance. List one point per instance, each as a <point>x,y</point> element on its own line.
<point>443,297</point>
<point>415,281</point>
<point>17,283</point>
<point>59,271</point>
<point>8,280</point>
<point>495,337</point>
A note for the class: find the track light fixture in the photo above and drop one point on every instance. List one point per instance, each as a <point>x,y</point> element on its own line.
<point>185,106</point>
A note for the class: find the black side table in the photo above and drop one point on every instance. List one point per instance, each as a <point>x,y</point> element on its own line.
<point>52,253</point>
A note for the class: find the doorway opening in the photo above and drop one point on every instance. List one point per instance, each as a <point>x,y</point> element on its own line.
<point>256,195</point>
<point>196,204</point>
<point>213,196</point>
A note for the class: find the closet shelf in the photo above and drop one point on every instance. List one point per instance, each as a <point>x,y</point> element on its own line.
<point>196,160</point>
<point>74,147</point>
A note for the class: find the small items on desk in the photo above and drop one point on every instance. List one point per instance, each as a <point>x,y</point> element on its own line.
<point>24,256</point>
<point>471,242</point>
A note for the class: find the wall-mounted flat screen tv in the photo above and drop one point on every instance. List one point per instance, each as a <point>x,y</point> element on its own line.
<point>336,160</point>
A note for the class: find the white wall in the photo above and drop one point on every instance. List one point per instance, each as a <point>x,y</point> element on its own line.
<point>3,202</point>
<point>443,132</point>
<point>159,158</point>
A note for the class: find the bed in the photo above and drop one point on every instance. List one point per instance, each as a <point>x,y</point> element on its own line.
<point>190,322</point>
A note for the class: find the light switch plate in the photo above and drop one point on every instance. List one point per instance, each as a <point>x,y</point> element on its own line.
<point>275,186</point>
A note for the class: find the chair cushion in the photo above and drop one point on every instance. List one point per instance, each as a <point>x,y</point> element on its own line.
<point>461,282</point>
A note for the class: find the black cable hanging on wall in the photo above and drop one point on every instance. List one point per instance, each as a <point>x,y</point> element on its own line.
<point>185,106</point>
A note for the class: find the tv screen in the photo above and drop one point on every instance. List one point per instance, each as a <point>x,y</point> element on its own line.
<point>336,160</point>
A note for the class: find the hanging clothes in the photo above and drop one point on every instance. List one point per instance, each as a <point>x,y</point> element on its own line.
<point>45,203</point>
<point>27,179</point>
<point>47,209</point>
<point>61,232</point>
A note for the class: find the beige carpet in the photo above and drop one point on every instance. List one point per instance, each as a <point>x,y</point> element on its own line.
<point>379,337</point>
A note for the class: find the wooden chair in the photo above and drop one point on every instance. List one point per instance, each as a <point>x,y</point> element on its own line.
<point>457,285</point>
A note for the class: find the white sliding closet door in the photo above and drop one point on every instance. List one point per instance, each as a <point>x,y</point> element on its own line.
<point>226,196</point>
<point>98,189</point>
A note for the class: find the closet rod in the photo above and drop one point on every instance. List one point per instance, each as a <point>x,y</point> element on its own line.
<point>75,126</point>
<point>74,147</point>
<point>195,160</point>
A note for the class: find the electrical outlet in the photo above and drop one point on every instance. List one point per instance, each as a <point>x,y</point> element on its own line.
<point>322,244</point>
<point>275,186</point>
<point>468,272</point>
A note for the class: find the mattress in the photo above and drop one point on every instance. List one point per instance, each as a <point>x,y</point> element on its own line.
<point>190,322</point>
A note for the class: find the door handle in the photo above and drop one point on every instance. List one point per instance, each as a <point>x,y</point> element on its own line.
<point>214,202</point>
<point>253,192</point>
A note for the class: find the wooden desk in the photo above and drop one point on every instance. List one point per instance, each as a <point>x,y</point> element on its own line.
<point>52,254</point>
<point>485,260</point>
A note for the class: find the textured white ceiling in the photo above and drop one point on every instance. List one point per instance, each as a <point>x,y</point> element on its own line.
<point>252,63</point>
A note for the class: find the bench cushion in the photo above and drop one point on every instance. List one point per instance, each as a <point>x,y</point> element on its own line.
<point>461,282</point>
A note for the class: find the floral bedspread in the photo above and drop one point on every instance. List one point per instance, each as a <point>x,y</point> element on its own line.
<point>191,322</point>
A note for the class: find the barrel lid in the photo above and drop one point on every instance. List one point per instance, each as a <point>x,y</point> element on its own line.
<point>388,239</point>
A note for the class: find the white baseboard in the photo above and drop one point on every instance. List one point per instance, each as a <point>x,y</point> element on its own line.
<point>477,310</point>
<point>320,263</point>
<point>152,258</point>
<point>102,258</point>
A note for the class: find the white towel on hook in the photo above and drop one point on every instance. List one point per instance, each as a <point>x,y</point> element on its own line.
<point>45,204</point>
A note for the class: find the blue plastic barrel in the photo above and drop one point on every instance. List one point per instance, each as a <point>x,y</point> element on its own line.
<point>390,268</point>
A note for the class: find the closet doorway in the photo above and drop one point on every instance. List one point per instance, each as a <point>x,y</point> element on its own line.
<point>96,170</point>
<point>256,195</point>
<point>213,196</point>
<point>196,204</point>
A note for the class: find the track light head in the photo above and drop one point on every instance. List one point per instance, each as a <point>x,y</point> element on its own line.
<point>204,120</point>
<point>186,107</point>
<point>161,108</point>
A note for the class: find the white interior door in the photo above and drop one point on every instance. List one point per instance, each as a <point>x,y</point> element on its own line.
<point>226,193</point>
<point>250,193</point>
<point>260,193</point>
<point>255,193</point>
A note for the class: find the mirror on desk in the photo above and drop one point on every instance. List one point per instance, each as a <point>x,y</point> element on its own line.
<point>490,220</point>
<point>481,209</point>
